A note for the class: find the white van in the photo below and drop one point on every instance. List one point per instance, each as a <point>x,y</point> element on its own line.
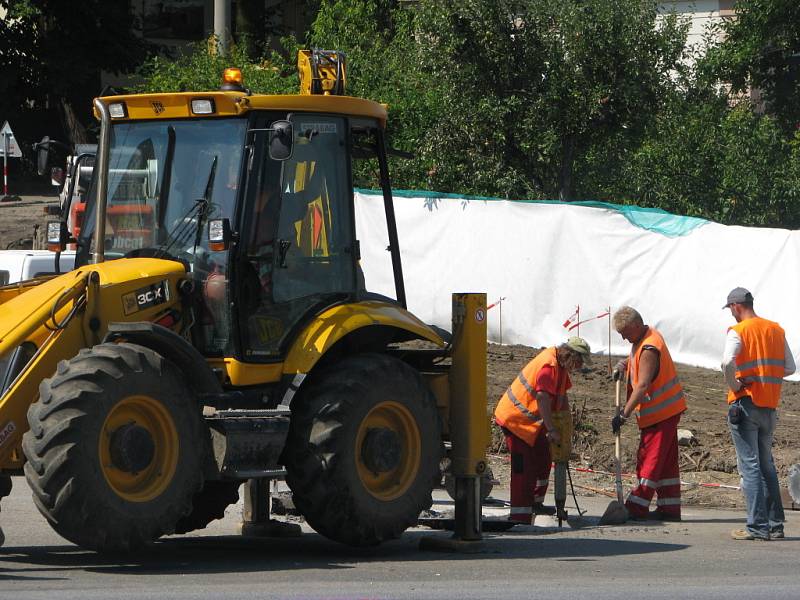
<point>20,265</point>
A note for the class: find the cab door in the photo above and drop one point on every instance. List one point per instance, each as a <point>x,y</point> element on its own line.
<point>299,254</point>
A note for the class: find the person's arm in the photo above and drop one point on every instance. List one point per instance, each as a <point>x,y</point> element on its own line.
<point>788,360</point>
<point>733,345</point>
<point>545,403</point>
<point>648,369</point>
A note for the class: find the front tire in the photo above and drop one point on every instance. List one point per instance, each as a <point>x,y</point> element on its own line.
<point>115,447</point>
<point>364,448</point>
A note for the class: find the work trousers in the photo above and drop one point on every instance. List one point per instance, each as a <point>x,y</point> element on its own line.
<point>752,437</point>
<point>657,470</point>
<point>530,473</point>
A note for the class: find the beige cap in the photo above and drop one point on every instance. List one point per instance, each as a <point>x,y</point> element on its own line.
<point>581,346</point>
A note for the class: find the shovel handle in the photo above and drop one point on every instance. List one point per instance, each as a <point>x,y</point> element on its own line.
<point>617,449</point>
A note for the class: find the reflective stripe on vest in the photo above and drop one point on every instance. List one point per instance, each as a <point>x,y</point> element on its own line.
<point>760,361</point>
<point>518,410</point>
<point>664,397</point>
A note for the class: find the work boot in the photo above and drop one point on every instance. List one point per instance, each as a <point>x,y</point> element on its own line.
<point>639,516</point>
<point>539,508</point>
<point>743,534</point>
<point>657,515</point>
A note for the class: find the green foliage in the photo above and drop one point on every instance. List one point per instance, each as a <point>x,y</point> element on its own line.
<point>761,49</point>
<point>531,86</point>
<point>379,40</point>
<point>201,69</point>
<point>67,44</point>
<point>573,99</point>
<point>705,159</point>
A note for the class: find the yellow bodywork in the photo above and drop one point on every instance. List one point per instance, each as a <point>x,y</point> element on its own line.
<point>470,431</point>
<point>336,322</point>
<point>319,335</point>
<point>232,104</point>
<point>64,314</point>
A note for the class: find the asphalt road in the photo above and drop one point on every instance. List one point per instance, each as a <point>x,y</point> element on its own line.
<point>693,559</point>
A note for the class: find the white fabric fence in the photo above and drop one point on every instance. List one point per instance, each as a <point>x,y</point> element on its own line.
<point>547,258</point>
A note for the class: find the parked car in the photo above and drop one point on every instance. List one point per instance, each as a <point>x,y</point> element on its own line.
<point>21,265</point>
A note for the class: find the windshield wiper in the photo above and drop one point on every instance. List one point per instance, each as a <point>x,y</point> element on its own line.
<point>203,214</point>
<point>197,213</point>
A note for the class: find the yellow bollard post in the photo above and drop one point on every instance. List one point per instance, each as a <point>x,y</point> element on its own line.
<point>469,423</point>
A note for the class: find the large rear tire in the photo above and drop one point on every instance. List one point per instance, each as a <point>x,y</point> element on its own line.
<point>115,447</point>
<point>364,448</point>
<point>209,504</point>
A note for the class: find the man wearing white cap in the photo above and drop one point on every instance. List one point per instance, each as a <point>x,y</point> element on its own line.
<point>755,361</point>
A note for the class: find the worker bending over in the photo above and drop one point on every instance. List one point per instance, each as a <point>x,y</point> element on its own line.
<point>525,415</point>
<point>654,391</point>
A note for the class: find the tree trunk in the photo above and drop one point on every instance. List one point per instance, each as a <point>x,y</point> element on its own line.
<point>76,131</point>
<point>250,25</point>
<point>566,185</point>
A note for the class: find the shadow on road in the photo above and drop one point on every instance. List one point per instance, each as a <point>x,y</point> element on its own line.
<point>233,554</point>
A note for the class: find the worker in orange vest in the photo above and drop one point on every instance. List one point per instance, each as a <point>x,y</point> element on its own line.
<point>655,392</point>
<point>755,361</point>
<point>525,415</point>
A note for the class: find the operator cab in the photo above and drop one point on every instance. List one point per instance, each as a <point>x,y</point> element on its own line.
<point>273,185</point>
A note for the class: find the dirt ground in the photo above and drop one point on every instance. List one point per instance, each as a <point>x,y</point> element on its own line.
<point>17,220</point>
<point>710,460</point>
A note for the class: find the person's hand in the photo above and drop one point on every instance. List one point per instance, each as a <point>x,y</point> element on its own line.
<point>617,422</point>
<point>554,436</point>
<point>618,372</point>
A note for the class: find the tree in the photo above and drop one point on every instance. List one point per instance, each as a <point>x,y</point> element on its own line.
<point>66,46</point>
<point>529,87</point>
<point>379,39</point>
<point>201,69</point>
<point>761,49</point>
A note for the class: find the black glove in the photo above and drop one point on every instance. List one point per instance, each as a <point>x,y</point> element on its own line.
<point>617,422</point>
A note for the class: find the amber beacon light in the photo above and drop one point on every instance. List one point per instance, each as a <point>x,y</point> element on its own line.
<point>232,79</point>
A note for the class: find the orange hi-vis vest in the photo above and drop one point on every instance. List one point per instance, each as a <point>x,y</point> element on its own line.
<point>518,410</point>
<point>664,397</point>
<point>760,361</point>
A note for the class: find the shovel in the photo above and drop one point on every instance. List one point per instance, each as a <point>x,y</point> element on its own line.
<point>616,513</point>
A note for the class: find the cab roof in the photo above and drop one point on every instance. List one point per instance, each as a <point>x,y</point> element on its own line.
<point>179,105</point>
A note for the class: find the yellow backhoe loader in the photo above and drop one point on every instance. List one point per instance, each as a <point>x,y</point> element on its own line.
<point>217,330</point>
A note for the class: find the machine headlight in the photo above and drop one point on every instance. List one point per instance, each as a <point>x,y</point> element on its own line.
<point>203,106</point>
<point>118,110</point>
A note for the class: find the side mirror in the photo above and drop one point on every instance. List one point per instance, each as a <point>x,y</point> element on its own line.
<point>57,176</point>
<point>219,235</point>
<point>42,155</point>
<point>281,138</point>
<point>57,236</point>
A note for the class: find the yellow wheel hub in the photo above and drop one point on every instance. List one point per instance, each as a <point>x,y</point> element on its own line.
<point>139,448</point>
<point>388,450</point>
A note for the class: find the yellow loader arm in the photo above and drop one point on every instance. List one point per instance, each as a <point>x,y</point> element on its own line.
<point>56,318</point>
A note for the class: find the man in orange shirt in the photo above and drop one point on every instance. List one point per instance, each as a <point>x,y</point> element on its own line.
<point>525,413</point>
<point>656,394</point>
<point>755,361</point>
